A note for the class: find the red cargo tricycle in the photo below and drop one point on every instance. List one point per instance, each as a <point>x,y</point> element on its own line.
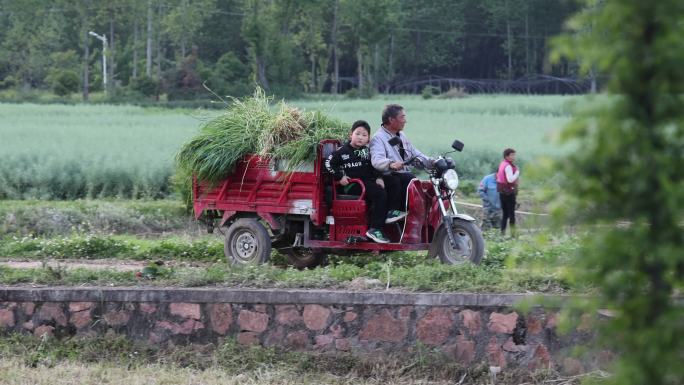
<point>301,214</point>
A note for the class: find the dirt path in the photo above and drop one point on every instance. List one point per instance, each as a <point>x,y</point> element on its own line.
<point>95,264</point>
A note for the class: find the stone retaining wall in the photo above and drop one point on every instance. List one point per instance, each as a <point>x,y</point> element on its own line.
<point>471,328</point>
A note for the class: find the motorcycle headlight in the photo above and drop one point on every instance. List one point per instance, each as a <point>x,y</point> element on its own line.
<point>450,179</point>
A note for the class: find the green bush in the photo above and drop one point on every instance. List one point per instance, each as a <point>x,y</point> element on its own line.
<point>429,91</point>
<point>145,85</point>
<point>8,82</point>
<point>65,83</point>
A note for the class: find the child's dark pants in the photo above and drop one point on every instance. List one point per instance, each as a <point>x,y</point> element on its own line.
<point>376,198</point>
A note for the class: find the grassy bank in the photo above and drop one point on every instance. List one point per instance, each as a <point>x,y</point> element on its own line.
<point>37,218</point>
<point>119,361</point>
<point>529,263</point>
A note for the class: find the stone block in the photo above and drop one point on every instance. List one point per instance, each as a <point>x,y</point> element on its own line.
<point>275,338</point>
<point>435,326</point>
<point>148,307</point>
<point>80,306</point>
<point>384,327</point>
<point>186,310</point>
<point>6,318</point>
<point>323,340</point>
<point>343,344</point>
<point>117,317</point>
<point>52,311</point>
<point>28,308</point>
<point>248,338</point>
<point>287,315</point>
<point>511,347</point>
<point>350,316</point>
<point>27,325</point>
<point>220,317</point>
<point>80,319</point>
<point>552,321</point>
<point>298,340</point>
<point>405,312</point>
<point>541,359</point>
<point>316,317</point>
<point>252,321</point>
<point>465,350</point>
<point>337,331</point>
<point>44,330</point>
<point>495,354</point>
<point>534,325</point>
<point>503,323</point>
<point>472,321</point>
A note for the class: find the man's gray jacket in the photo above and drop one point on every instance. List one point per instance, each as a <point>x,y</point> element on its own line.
<point>382,153</point>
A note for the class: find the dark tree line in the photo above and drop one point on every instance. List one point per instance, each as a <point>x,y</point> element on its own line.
<point>286,46</point>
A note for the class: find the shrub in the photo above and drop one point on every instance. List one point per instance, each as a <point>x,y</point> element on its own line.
<point>65,83</point>
<point>146,85</point>
<point>429,91</point>
<point>9,82</point>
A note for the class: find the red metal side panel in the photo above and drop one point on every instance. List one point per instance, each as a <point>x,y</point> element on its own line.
<point>415,220</point>
<point>255,186</point>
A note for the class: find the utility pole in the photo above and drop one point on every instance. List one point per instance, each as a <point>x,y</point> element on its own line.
<point>102,38</point>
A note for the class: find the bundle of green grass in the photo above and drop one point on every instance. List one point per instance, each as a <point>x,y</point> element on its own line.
<point>255,125</point>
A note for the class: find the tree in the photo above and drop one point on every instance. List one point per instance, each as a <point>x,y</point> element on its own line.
<point>368,24</point>
<point>629,168</point>
<point>184,20</point>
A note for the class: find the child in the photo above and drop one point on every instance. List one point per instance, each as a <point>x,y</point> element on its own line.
<point>491,205</point>
<point>352,160</point>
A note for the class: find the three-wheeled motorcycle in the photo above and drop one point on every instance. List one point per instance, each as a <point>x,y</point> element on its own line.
<point>263,205</point>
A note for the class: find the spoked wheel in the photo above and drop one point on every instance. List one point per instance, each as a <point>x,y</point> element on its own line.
<point>469,244</point>
<point>301,257</point>
<point>247,242</point>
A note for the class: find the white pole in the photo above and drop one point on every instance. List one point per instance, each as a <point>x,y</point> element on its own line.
<point>103,39</point>
<point>104,62</point>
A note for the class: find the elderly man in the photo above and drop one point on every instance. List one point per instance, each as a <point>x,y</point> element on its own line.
<point>388,157</point>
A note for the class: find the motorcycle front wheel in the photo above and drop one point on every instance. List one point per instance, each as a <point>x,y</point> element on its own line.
<point>469,244</point>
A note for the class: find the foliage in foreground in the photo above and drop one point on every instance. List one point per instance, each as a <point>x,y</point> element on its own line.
<point>629,168</point>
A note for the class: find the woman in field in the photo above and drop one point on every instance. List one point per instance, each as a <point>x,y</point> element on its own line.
<point>353,160</point>
<point>507,186</point>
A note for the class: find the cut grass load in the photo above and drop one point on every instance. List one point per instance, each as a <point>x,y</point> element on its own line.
<point>252,126</point>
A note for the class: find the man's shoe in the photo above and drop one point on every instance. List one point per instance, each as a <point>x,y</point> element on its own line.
<point>395,215</point>
<point>377,236</point>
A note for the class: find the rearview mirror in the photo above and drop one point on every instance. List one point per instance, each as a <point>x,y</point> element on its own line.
<point>457,145</point>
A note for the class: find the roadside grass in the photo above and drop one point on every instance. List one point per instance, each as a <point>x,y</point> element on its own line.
<point>78,360</point>
<point>104,246</point>
<point>101,151</point>
<point>37,218</point>
<point>531,263</point>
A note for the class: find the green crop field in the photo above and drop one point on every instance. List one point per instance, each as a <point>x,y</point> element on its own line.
<point>99,151</point>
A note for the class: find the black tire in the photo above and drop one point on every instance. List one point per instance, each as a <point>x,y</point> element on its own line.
<point>247,243</point>
<point>468,235</point>
<point>302,258</point>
